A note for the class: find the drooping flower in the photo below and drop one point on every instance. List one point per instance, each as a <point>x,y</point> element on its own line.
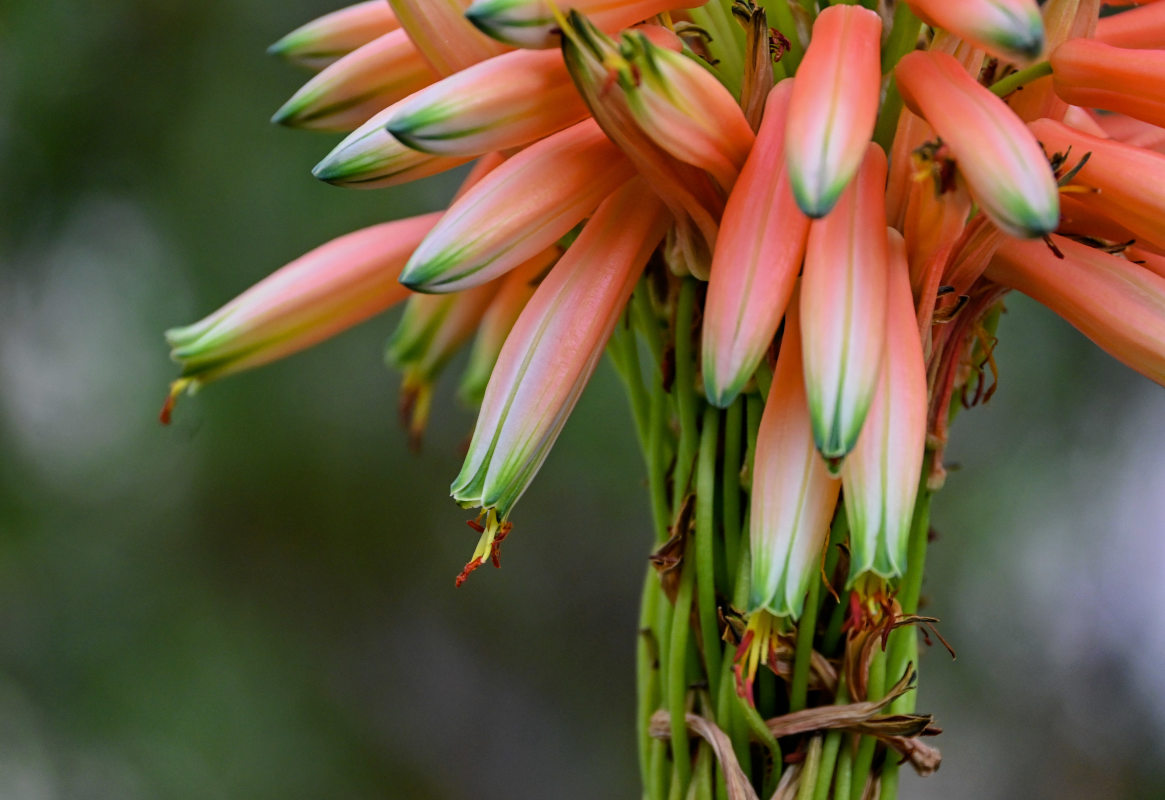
<point>843,309</point>
<point>553,348</point>
<point>1001,161</point>
<point>1006,28</point>
<point>793,494</point>
<point>758,255</point>
<point>880,476</point>
<point>834,106</point>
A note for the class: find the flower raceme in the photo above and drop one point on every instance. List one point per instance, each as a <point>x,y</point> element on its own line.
<point>609,144</point>
<point>804,221</point>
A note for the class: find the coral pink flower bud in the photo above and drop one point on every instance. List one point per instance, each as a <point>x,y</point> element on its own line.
<point>440,31</point>
<point>501,103</point>
<point>601,73</point>
<point>534,23</point>
<point>1141,28</point>
<point>793,494</point>
<point>1128,180</point>
<point>318,295</point>
<point>517,287</point>
<point>1005,169</point>
<point>372,158</point>
<point>1089,73</point>
<point>1117,304</point>
<point>843,309</point>
<point>880,476</point>
<point>323,40</point>
<point>518,210</point>
<point>686,111</point>
<point>1009,29</point>
<point>554,348</point>
<point>834,105</point>
<point>351,90</point>
<point>758,255</point>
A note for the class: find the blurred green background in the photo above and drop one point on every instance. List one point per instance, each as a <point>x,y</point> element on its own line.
<point>258,602</point>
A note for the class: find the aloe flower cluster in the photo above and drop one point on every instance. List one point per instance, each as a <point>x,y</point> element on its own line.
<point>791,225</point>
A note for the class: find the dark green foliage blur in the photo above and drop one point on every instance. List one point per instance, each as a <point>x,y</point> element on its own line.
<point>258,601</point>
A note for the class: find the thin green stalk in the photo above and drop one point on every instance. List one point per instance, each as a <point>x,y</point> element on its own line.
<point>683,389</point>
<point>703,775</point>
<point>803,651</point>
<point>677,686</point>
<point>889,783</point>
<point>887,125</point>
<point>705,545</point>
<point>1005,86</point>
<point>727,713</point>
<point>624,355</point>
<point>843,780</point>
<point>828,762</point>
<point>903,36</point>
<point>875,688</point>
<point>811,769</point>
<point>900,650</point>
<point>730,487</point>
<point>647,673</point>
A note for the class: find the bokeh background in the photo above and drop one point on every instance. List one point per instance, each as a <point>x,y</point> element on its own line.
<point>258,601</point>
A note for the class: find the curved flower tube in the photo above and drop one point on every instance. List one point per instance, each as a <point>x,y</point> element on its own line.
<point>372,158</point>
<point>843,309</point>
<point>1010,29</point>
<point>1004,167</point>
<point>880,476</point>
<point>1117,304</point>
<point>1089,73</point>
<point>518,210</point>
<point>793,494</point>
<point>345,94</point>
<point>554,348</point>
<point>323,40</point>
<point>504,102</point>
<point>440,30</point>
<point>758,255</point>
<point>834,106</point>
<point>320,294</point>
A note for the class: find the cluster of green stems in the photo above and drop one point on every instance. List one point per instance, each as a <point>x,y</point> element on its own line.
<point>698,460</point>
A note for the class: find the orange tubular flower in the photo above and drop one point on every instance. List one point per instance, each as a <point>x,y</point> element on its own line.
<point>372,158</point>
<point>1090,73</point>
<point>1117,304</point>
<point>1127,179</point>
<point>518,210</point>
<point>793,495</point>
<point>440,30</point>
<point>1006,28</point>
<point>1004,167</point>
<point>497,104</point>
<point>1141,28</point>
<point>834,105</point>
<point>843,309</point>
<point>553,349</point>
<point>880,476</point>
<point>323,40</point>
<point>320,294</point>
<point>758,256</point>
<point>358,85</point>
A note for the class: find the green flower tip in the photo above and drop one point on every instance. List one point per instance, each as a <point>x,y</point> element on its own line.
<point>814,202</point>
